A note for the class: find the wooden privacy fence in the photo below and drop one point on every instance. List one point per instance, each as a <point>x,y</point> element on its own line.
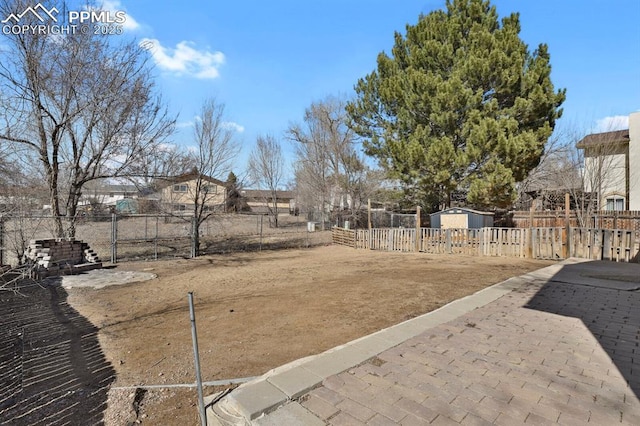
<point>538,243</point>
<point>605,244</point>
<point>389,239</point>
<point>610,220</point>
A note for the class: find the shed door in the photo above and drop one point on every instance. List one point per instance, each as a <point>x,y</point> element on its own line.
<point>458,220</point>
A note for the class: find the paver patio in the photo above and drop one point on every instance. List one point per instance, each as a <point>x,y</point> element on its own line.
<point>553,350</point>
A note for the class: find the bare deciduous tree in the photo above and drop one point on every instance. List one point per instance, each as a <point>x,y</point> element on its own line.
<point>266,169</point>
<point>216,149</point>
<point>84,104</point>
<point>328,165</point>
<point>557,173</point>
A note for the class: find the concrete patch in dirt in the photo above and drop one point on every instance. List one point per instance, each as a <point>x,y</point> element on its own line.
<point>100,278</point>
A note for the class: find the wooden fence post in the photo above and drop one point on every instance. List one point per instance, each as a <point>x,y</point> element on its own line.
<point>418,236</point>
<point>369,222</point>
<point>566,249</point>
<point>529,246</point>
<point>534,242</point>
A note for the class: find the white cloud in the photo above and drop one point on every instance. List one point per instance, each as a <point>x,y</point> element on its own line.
<point>609,124</point>
<point>166,147</point>
<point>233,126</point>
<point>184,124</point>
<point>185,59</point>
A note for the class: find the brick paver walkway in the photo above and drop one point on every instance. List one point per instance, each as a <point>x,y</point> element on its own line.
<point>548,353</point>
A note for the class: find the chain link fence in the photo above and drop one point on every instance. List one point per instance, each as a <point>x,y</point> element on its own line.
<point>380,218</point>
<point>149,237</point>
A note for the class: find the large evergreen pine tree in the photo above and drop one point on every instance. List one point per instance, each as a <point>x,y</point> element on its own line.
<point>460,105</point>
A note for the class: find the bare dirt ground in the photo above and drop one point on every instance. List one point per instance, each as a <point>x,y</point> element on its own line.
<point>257,311</point>
<point>90,356</point>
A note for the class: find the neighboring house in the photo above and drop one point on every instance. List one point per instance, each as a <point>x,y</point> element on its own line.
<point>612,166</point>
<point>106,195</point>
<point>178,194</point>
<point>257,200</point>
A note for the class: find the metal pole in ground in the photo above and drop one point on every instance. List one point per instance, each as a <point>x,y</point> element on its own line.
<point>261,219</point>
<point>196,355</point>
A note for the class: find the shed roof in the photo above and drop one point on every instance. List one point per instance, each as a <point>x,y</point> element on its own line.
<point>464,209</point>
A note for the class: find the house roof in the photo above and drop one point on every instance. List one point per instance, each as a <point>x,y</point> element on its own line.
<point>263,193</point>
<point>118,188</point>
<point>106,188</point>
<point>615,137</point>
<point>186,177</point>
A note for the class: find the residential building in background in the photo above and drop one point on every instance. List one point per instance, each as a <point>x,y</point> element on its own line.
<point>612,166</point>
<point>259,200</point>
<point>178,194</point>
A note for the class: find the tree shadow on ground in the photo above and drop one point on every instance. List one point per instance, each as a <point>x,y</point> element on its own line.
<point>52,369</point>
<point>605,296</point>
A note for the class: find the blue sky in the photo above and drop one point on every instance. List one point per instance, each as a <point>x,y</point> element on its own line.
<point>268,60</point>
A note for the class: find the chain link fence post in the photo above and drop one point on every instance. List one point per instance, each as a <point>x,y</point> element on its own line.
<point>194,239</point>
<point>155,240</point>
<point>2,240</point>
<point>114,238</point>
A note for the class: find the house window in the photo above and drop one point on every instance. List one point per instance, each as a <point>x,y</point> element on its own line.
<point>615,204</point>
<point>210,189</point>
<point>180,188</point>
<point>179,207</point>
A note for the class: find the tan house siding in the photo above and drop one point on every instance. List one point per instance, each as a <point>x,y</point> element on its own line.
<point>613,184</point>
<point>180,194</point>
<point>634,161</point>
<point>260,200</point>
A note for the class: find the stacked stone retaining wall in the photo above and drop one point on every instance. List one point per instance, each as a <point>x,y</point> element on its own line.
<point>59,257</point>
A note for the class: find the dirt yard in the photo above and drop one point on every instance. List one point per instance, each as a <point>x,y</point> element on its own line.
<point>257,311</point>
